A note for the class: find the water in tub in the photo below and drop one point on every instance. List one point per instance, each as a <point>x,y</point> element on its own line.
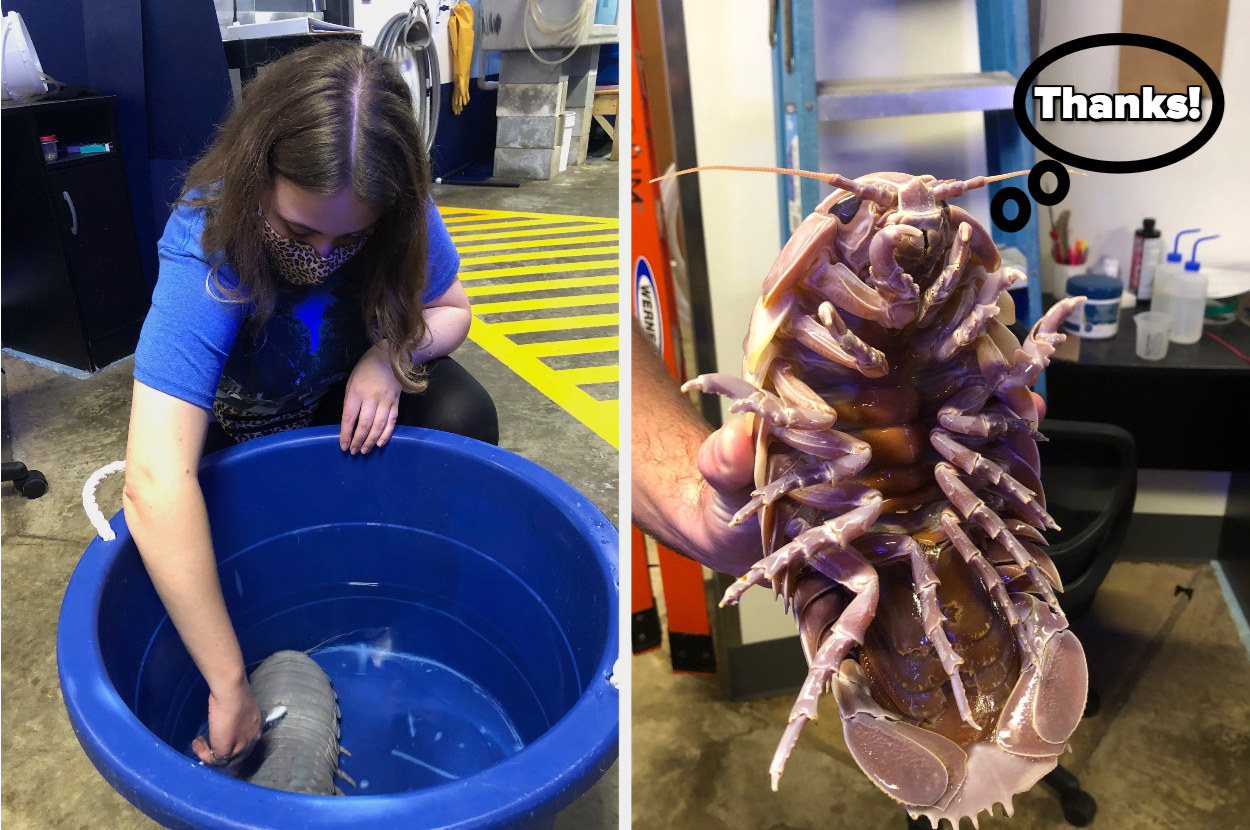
<point>409,721</point>
<point>441,725</point>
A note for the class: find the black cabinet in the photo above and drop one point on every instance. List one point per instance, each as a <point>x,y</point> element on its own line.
<point>71,281</point>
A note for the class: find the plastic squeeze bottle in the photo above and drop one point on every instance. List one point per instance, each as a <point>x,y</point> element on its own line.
<point>1189,299</point>
<point>1166,271</point>
<point>1146,244</point>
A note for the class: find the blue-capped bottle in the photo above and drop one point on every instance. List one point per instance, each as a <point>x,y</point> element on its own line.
<point>1189,299</point>
<point>1166,272</point>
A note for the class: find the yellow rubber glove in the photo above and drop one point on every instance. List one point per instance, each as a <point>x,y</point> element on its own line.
<point>460,33</point>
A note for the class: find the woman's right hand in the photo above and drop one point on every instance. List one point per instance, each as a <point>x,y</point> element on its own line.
<point>233,727</point>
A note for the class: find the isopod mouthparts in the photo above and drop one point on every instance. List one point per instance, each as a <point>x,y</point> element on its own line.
<point>900,498</point>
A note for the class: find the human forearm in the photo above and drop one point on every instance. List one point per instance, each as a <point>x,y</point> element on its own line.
<point>687,480</point>
<point>167,517</point>
<point>447,321</point>
<point>446,328</point>
<point>666,433</point>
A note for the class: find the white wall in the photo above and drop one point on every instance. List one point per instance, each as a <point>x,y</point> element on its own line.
<point>1206,191</point>
<point>731,87</point>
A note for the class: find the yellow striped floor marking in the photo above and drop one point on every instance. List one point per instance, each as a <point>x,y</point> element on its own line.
<point>603,221</point>
<point>589,345</point>
<point>525,256</point>
<point>540,243</point>
<point>592,374</point>
<point>566,282</point>
<point>518,223</point>
<point>545,303</point>
<point>554,268</point>
<point>541,285</point>
<point>475,237</point>
<point>585,321</point>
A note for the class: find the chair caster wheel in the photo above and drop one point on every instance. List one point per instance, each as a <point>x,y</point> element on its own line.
<point>1079,809</point>
<point>32,485</point>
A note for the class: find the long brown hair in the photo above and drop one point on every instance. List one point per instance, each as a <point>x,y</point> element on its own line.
<point>327,117</point>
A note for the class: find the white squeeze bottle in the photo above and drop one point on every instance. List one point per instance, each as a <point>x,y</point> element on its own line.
<point>1165,272</point>
<point>1189,299</point>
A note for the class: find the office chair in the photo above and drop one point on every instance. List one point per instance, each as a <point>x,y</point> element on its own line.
<point>30,483</point>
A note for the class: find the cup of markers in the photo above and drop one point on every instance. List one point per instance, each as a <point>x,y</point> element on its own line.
<point>1066,260</point>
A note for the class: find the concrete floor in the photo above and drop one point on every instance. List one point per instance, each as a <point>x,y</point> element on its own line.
<point>68,428</point>
<point>1170,747</point>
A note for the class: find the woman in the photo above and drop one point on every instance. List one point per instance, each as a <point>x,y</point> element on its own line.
<point>305,279</point>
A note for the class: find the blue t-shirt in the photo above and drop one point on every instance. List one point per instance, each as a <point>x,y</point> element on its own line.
<point>194,346</point>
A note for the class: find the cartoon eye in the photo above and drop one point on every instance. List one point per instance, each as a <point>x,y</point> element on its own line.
<point>846,208</point>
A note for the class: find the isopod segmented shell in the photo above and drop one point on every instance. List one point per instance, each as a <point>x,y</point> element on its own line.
<point>300,753</point>
<point>900,500</point>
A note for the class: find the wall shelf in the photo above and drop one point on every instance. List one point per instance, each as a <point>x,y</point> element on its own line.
<point>887,97</point>
<point>803,103</point>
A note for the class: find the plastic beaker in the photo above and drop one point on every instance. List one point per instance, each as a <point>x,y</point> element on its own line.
<point>1153,328</point>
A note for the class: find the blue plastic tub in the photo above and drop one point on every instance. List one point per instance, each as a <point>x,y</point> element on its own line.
<point>462,599</point>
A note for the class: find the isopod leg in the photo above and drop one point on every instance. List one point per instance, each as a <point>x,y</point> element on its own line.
<point>982,243</point>
<point>848,568</point>
<point>839,285</point>
<point>965,413</point>
<point>974,463</point>
<point>977,511</point>
<point>990,577</point>
<point>1034,354</point>
<point>747,398</point>
<point>893,283</point>
<point>982,310</point>
<point>869,362</point>
<point>926,583</point>
<point>824,472</point>
<point>836,534</point>
<point>886,547</point>
<point>951,275</point>
<point>841,346</point>
<point>795,392</point>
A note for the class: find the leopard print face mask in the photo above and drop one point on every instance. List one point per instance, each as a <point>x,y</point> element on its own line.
<point>300,264</point>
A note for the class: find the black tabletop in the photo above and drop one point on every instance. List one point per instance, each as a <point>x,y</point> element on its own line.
<point>1190,410</point>
<point>1205,355</point>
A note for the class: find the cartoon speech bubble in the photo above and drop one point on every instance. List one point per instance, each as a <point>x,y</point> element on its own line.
<point>1021,103</point>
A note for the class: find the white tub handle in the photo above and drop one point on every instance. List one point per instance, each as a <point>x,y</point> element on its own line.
<point>88,499</point>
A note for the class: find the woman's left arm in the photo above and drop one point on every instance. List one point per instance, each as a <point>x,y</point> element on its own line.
<point>371,406</point>
<point>447,319</point>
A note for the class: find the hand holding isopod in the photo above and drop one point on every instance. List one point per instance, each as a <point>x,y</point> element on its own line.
<point>688,481</point>
<point>233,728</point>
